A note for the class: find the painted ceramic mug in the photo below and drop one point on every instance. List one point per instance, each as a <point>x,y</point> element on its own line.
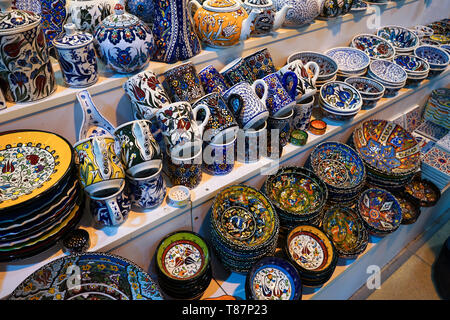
<point>110,207</point>
<point>237,71</point>
<point>302,114</point>
<point>260,63</point>
<point>99,166</point>
<point>248,108</point>
<point>146,93</point>
<point>139,151</point>
<point>280,126</point>
<point>221,126</point>
<point>148,190</point>
<point>212,80</point>
<point>251,144</point>
<point>218,158</point>
<point>182,83</point>
<point>178,123</point>
<point>306,77</point>
<point>186,170</point>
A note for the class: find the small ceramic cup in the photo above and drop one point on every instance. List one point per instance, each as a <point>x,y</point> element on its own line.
<point>251,144</point>
<point>218,159</point>
<point>260,63</point>
<point>99,166</point>
<point>187,169</point>
<point>237,71</point>
<point>281,126</point>
<point>179,125</point>
<point>110,207</point>
<point>221,126</point>
<point>302,114</point>
<point>307,75</point>
<point>248,108</point>
<point>146,93</point>
<point>182,83</point>
<point>212,80</point>
<point>139,151</point>
<point>148,190</point>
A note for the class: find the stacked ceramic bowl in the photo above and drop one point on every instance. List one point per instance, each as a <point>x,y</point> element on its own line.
<point>298,194</point>
<point>416,68</point>
<point>273,278</point>
<point>340,168</point>
<point>313,254</point>
<point>375,47</point>
<point>244,227</point>
<point>328,66</point>
<point>183,265</point>
<point>40,199</point>
<point>390,75</point>
<point>351,62</point>
<point>371,90</point>
<point>403,40</point>
<point>390,153</point>
<point>380,211</point>
<point>437,58</point>
<point>339,100</point>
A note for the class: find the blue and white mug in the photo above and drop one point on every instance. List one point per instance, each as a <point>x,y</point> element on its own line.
<point>218,158</point>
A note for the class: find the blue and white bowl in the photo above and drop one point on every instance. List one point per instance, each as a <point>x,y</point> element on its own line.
<point>349,60</point>
<point>437,58</point>
<point>376,47</point>
<point>402,39</point>
<point>371,90</point>
<point>328,66</point>
<point>392,76</point>
<point>446,47</point>
<point>415,67</point>
<point>340,100</point>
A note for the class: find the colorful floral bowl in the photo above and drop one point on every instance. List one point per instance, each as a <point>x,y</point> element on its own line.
<point>374,46</point>
<point>349,60</point>
<point>437,58</point>
<point>367,87</point>
<point>328,66</point>
<point>402,39</point>
<point>414,66</point>
<point>340,97</point>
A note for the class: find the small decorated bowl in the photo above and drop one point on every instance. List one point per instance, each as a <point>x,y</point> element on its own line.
<point>440,38</point>
<point>374,46</point>
<point>402,39</point>
<point>437,58</point>
<point>410,208</point>
<point>349,60</point>
<point>423,191</point>
<point>388,73</point>
<point>446,47</point>
<point>427,31</point>
<point>340,97</point>
<point>367,87</point>
<point>328,66</point>
<point>413,65</point>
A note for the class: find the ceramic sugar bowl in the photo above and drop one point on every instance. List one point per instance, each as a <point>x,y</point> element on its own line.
<point>123,41</point>
<point>220,23</point>
<point>269,19</point>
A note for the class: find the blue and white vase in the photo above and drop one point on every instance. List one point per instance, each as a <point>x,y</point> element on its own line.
<point>76,56</point>
<point>123,41</point>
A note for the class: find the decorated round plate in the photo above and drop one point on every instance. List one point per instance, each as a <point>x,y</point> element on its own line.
<point>380,210</point>
<point>88,276</point>
<point>32,163</point>
<point>182,255</point>
<point>349,59</point>
<point>387,147</point>
<point>273,278</point>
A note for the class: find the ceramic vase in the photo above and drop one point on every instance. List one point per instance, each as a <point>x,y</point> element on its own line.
<point>88,14</point>
<point>54,15</point>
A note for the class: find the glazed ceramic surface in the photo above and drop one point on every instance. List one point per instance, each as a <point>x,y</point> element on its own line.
<point>374,46</point>
<point>260,63</point>
<point>388,71</point>
<point>401,38</point>
<point>412,64</point>
<point>218,159</point>
<point>143,9</point>
<point>54,15</point>
<point>103,276</point>
<point>333,8</point>
<point>367,87</point>
<point>301,13</point>
<point>88,14</point>
<point>423,190</point>
<point>436,57</point>
<point>212,80</point>
<point>237,71</point>
<point>147,192</point>
<point>182,83</point>
<point>306,75</point>
<point>327,65</point>
<point>349,59</point>
<point>302,114</point>
<point>341,96</point>
<point>186,171</point>
<point>269,19</point>
<point>251,144</point>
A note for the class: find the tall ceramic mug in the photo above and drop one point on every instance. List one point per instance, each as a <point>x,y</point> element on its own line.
<point>99,167</point>
<point>139,151</point>
<point>237,71</point>
<point>182,83</point>
<point>187,169</point>
<point>307,75</point>
<point>218,158</point>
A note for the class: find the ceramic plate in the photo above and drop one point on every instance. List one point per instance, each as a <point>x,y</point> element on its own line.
<point>349,60</point>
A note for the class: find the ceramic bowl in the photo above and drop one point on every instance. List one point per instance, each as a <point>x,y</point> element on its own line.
<point>414,66</point>
<point>340,97</point>
<point>427,31</point>
<point>446,47</point>
<point>367,87</point>
<point>376,47</point>
<point>349,60</point>
<point>402,39</point>
<point>429,42</point>
<point>380,211</point>
<point>328,66</point>
<point>388,73</point>
<point>410,207</point>
<point>423,191</point>
<point>440,38</point>
<point>437,58</point>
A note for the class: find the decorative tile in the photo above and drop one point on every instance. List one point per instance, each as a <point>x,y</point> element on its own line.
<point>444,143</point>
<point>425,143</point>
<point>400,120</point>
<point>432,130</point>
<point>438,159</point>
<point>413,119</point>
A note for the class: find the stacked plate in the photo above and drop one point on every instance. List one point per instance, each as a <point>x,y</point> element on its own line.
<point>244,227</point>
<point>390,75</point>
<point>402,39</point>
<point>183,265</point>
<point>380,211</point>
<point>390,153</point>
<point>312,253</point>
<point>437,108</point>
<point>437,58</point>
<point>298,194</point>
<point>102,277</point>
<point>40,198</point>
<point>416,68</point>
<point>423,191</point>
<point>351,62</point>
<point>371,90</point>
<point>339,100</point>
<point>436,166</point>
<point>374,46</point>
<point>347,231</point>
<point>273,278</point>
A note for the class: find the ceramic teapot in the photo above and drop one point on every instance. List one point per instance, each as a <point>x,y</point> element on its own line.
<point>222,23</point>
<point>303,11</point>
<point>269,19</point>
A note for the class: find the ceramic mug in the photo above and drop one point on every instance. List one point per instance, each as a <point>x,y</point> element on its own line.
<point>179,125</point>
<point>237,71</point>
<point>146,93</point>
<point>139,151</point>
<point>110,207</point>
<point>218,158</point>
<point>212,80</point>
<point>147,190</point>
<point>279,101</point>
<point>99,166</point>
<point>281,126</point>
<point>302,114</point>
<point>221,126</point>
<point>307,75</point>
<point>186,170</point>
<point>248,108</point>
<point>260,63</point>
<point>182,83</point>
<point>251,144</point>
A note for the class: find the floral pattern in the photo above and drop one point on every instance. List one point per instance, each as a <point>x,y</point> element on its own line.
<point>87,15</point>
<point>183,84</point>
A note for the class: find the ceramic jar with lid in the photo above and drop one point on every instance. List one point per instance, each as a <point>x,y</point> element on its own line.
<point>269,19</point>
<point>87,14</point>
<point>76,57</point>
<point>26,73</point>
<point>123,41</point>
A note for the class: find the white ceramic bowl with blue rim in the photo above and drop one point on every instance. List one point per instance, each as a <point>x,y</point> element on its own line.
<point>437,58</point>
<point>367,87</point>
<point>402,39</point>
<point>340,98</point>
<point>387,72</point>
<point>328,66</point>
<point>349,60</point>
<point>414,66</point>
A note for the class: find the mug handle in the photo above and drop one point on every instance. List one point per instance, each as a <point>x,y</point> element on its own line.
<point>235,103</point>
<point>284,81</point>
<point>114,210</point>
<point>316,69</point>
<point>266,89</point>
<point>202,125</point>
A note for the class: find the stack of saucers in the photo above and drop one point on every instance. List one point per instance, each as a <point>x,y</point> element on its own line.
<point>339,100</point>
<point>183,265</point>
<point>437,58</point>
<point>371,90</point>
<point>416,68</point>
<point>340,168</point>
<point>351,62</point>
<point>374,46</point>
<point>298,194</point>
<point>390,75</point>
<point>244,227</point>
<point>313,254</point>
<point>403,40</point>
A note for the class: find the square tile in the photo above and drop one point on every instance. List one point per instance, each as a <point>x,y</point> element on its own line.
<point>400,120</point>
<point>431,130</point>
<point>413,119</point>
<point>438,159</point>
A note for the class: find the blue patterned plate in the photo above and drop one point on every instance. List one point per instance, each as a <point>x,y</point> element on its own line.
<point>388,72</point>
<point>349,60</point>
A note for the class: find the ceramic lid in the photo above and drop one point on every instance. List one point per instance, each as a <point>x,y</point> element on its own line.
<point>120,18</point>
<point>72,38</point>
<point>221,5</point>
<point>14,21</point>
<point>258,3</point>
